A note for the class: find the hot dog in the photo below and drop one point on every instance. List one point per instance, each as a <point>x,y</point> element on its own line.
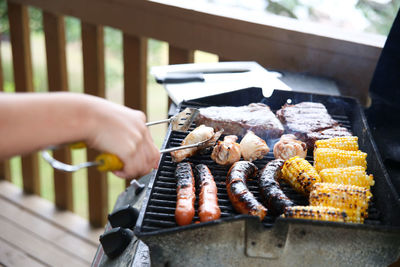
<point>186,197</point>
<point>271,193</point>
<point>208,200</point>
<point>241,198</point>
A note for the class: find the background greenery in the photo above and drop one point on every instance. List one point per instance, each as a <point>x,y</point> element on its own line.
<point>380,17</point>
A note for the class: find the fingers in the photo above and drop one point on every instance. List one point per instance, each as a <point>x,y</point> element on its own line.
<point>122,131</point>
<point>141,161</point>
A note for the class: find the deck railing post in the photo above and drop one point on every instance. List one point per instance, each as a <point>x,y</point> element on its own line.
<point>4,165</point>
<point>21,53</point>
<point>54,30</point>
<point>135,73</point>
<point>94,84</point>
<point>178,55</point>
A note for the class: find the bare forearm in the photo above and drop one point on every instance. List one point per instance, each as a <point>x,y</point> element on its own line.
<point>29,122</point>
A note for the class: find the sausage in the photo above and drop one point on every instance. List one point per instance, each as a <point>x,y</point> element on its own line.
<point>241,197</point>
<point>271,193</point>
<point>208,200</point>
<point>186,197</point>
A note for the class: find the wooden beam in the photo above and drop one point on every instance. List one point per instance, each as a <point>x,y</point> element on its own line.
<point>177,55</point>
<point>93,70</point>
<point>273,41</point>
<point>53,26</point>
<point>135,74</point>
<point>20,43</point>
<point>4,165</point>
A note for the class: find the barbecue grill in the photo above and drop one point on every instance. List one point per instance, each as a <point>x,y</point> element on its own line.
<point>241,240</point>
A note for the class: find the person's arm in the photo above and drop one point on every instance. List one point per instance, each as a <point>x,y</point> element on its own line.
<point>33,121</point>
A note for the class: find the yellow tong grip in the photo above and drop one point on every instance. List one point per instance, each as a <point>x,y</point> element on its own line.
<point>107,162</point>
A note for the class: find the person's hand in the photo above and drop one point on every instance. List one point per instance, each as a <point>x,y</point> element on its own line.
<point>122,131</point>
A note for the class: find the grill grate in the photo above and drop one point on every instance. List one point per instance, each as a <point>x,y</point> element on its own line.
<point>160,212</point>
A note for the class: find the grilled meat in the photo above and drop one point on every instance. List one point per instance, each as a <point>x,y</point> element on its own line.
<point>310,122</point>
<point>257,117</point>
<point>186,197</point>
<point>241,198</point>
<point>253,147</point>
<point>199,134</point>
<point>208,200</point>
<point>226,152</point>
<point>288,147</point>
<point>329,133</point>
<point>271,192</point>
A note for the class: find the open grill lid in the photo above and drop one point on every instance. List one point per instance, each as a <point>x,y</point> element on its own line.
<point>157,214</point>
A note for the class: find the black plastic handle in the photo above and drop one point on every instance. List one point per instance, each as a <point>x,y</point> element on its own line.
<point>115,241</point>
<point>124,217</point>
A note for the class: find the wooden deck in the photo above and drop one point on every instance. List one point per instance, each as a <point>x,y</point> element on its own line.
<point>34,233</point>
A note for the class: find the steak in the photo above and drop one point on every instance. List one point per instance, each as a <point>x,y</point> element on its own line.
<point>257,117</point>
<point>310,122</point>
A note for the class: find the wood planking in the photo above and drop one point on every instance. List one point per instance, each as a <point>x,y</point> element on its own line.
<point>94,84</point>
<point>11,256</point>
<point>5,164</point>
<point>273,41</point>
<point>20,43</point>
<point>47,231</point>
<point>68,221</point>
<point>135,74</point>
<point>54,30</point>
<point>36,247</point>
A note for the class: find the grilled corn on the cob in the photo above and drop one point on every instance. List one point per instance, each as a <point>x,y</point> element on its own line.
<point>344,143</point>
<point>355,175</point>
<point>351,199</point>
<point>300,174</point>
<point>335,158</point>
<point>315,213</point>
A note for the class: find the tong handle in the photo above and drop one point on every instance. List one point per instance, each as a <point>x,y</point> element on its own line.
<point>109,162</point>
<point>158,122</point>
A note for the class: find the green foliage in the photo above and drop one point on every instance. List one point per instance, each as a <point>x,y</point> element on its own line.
<point>381,16</point>
<point>73,29</point>
<point>4,27</point>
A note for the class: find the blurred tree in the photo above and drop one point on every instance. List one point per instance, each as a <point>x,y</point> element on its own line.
<point>381,15</point>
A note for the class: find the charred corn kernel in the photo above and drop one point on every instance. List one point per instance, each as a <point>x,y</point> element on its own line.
<point>351,199</point>
<point>335,158</point>
<point>355,175</point>
<point>315,213</point>
<point>300,174</point>
<point>344,143</point>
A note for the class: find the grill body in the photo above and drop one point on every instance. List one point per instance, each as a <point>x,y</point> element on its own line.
<point>239,240</point>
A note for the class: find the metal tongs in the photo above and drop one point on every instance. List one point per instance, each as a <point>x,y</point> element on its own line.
<point>110,162</point>
<point>180,122</point>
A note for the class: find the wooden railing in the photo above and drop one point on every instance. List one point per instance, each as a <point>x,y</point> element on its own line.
<point>274,42</point>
